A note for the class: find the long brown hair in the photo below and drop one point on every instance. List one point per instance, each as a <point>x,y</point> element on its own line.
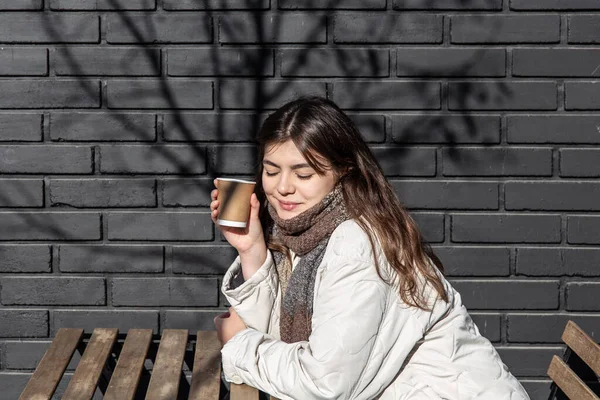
<point>328,139</point>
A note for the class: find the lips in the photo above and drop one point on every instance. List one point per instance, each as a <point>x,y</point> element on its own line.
<point>288,206</point>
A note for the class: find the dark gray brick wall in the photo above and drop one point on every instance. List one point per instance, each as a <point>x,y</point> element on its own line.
<point>115,116</point>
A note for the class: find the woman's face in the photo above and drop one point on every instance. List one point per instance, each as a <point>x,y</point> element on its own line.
<point>290,184</point>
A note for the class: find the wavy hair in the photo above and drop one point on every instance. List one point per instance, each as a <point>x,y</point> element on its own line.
<point>329,140</point>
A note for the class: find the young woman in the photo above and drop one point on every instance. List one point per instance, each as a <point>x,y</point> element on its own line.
<point>335,294</point>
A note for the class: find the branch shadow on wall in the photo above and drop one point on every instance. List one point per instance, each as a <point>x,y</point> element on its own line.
<point>242,71</point>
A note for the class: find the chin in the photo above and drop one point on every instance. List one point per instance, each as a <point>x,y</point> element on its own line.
<point>284,214</point>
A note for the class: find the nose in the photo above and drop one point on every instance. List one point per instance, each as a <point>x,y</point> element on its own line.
<point>285,186</point>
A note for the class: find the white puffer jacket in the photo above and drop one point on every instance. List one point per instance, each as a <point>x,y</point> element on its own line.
<point>362,336</point>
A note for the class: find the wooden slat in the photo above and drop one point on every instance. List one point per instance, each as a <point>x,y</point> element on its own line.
<point>568,381</point>
<point>164,382</point>
<point>49,371</point>
<point>83,383</point>
<point>243,392</point>
<point>583,345</point>
<point>126,378</point>
<point>206,377</point>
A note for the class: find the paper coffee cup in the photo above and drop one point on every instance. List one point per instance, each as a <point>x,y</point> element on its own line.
<point>234,201</point>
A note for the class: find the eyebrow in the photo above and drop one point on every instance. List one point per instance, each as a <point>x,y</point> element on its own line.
<point>295,166</point>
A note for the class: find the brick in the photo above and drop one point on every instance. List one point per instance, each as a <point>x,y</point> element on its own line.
<point>488,325</point>
<point>387,28</point>
<point>431,226</point>
<point>580,163</point>
<point>202,260</point>
<point>50,226</point>
<point>23,323</point>
<point>474,261</point>
<point>21,193</point>
<point>415,161</point>
<point>443,128</point>
<point>582,95</point>
<point>583,229</point>
<point>38,159</point>
<point>186,192</point>
<point>505,28</point>
<point>175,94</point>
<point>101,127</point>
<point>567,196</point>
<point>210,127</point>
<point>548,328</point>
<point>89,5</point>
<point>537,389</point>
<point>21,127</point>
<point>64,93</point>
<point>447,195</point>
<point>552,62</point>
<point>105,193</point>
<point>557,261</point>
<point>273,28</point>
<point>272,94</point>
<point>447,5</point>
<point>584,29</point>
<point>18,5</point>
<point>569,129</point>
<point>554,5</point>
<point>505,228</point>
<point>168,28</point>
<point>110,258</point>
<point>28,354</point>
<point>195,226</point>
<point>582,296</point>
<point>192,320</point>
<point>497,161</point>
<point>106,61</point>
<point>336,5</point>
<point>12,384</point>
<point>221,62</point>
<point>23,61</point>
<point>152,160</point>
<point>25,258</point>
<point>233,159</point>
<point>42,28</point>
<point>215,4</point>
<point>510,294</point>
<point>528,360</point>
<point>162,292</point>
<point>503,95</point>
<point>53,291</point>
<point>388,95</point>
<point>335,62</point>
<point>371,127</point>
<point>452,62</point>
<point>88,320</point>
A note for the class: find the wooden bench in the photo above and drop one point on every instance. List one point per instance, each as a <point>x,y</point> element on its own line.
<point>582,355</point>
<point>120,380</point>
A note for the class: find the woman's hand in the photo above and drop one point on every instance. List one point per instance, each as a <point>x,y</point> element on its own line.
<point>228,324</point>
<point>243,239</point>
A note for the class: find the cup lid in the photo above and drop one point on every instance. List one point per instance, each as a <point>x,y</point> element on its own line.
<point>236,180</point>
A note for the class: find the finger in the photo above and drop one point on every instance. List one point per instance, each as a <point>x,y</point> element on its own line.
<point>215,182</point>
<point>254,206</point>
<point>213,194</point>
<point>214,204</point>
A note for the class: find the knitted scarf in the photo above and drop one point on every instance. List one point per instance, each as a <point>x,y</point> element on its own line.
<point>307,235</point>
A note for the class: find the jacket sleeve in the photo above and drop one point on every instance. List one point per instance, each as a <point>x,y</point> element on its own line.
<point>253,299</point>
<point>348,310</point>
